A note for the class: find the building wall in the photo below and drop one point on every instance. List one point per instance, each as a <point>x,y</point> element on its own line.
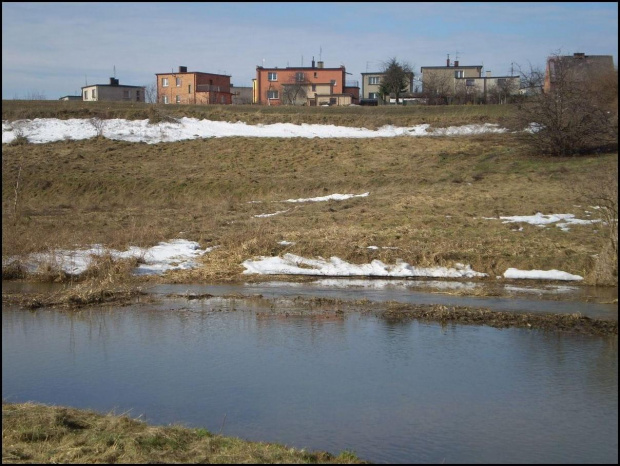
<point>317,76</point>
<point>194,88</point>
<point>113,93</point>
<point>578,67</point>
<point>446,76</point>
<point>368,88</point>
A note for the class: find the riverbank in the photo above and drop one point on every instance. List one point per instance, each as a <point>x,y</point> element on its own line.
<point>35,433</point>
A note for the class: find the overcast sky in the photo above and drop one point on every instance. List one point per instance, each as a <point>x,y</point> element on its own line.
<point>56,48</point>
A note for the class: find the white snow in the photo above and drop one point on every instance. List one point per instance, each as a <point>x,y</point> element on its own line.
<point>540,274</point>
<point>291,264</point>
<point>42,130</point>
<point>176,254</point>
<point>271,215</point>
<point>331,197</point>
<point>539,219</point>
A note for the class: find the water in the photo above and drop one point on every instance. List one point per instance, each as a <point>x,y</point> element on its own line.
<point>391,392</point>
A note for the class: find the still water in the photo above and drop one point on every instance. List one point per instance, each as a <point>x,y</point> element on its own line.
<point>392,392</point>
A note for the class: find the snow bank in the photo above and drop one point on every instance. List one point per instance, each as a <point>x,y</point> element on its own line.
<point>291,264</point>
<point>540,274</point>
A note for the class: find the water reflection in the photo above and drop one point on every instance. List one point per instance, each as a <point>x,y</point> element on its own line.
<point>392,391</point>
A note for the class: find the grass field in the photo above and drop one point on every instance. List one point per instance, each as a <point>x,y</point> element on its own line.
<point>34,433</point>
<point>428,196</point>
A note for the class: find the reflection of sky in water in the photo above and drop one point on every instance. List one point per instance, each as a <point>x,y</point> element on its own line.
<point>390,391</point>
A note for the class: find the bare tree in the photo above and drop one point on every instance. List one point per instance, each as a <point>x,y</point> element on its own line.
<point>569,118</point>
<point>150,93</point>
<point>397,79</point>
<point>295,91</point>
<point>437,88</point>
<point>35,95</point>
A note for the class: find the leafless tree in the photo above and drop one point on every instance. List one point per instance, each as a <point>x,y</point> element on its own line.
<point>569,118</point>
<point>150,93</point>
<point>437,88</point>
<point>295,91</point>
<point>35,95</point>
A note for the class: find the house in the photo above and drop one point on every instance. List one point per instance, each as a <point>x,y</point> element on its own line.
<point>71,97</point>
<point>371,84</point>
<point>313,85</point>
<point>456,83</point>
<point>113,91</point>
<point>578,67</point>
<point>193,87</point>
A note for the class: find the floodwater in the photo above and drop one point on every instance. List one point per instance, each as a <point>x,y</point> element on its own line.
<point>392,392</point>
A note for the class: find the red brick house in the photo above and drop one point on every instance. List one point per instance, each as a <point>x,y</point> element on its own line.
<point>313,85</point>
<point>193,87</point>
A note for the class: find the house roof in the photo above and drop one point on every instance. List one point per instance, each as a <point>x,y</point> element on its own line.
<point>110,85</point>
<point>193,72</point>
<point>451,67</point>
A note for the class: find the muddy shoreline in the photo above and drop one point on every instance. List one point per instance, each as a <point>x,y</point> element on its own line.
<point>323,308</point>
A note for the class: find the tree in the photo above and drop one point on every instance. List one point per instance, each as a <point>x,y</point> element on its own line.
<point>569,118</point>
<point>397,78</point>
<point>295,91</point>
<point>436,88</point>
<point>150,93</point>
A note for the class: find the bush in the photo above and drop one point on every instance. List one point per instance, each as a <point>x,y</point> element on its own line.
<point>577,116</point>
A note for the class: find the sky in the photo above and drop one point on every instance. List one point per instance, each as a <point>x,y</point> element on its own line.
<point>53,49</point>
<point>181,253</point>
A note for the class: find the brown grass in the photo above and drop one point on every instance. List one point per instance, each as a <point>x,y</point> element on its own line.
<point>428,198</point>
<point>34,433</point>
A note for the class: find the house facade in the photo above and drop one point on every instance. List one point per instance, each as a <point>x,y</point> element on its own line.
<point>371,84</point>
<point>578,67</point>
<point>314,85</point>
<point>193,88</point>
<point>113,92</point>
<point>466,83</point>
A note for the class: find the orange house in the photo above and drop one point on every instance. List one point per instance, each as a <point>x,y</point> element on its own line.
<point>186,87</point>
<point>314,85</point>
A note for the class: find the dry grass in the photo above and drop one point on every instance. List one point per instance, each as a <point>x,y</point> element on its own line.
<point>428,198</point>
<point>34,433</point>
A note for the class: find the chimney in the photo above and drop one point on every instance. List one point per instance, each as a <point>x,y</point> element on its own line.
<point>182,69</point>
<point>113,82</point>
<point>448,61</point>
<point>312,62</point>
<point>456,63</point>
<point>488,74</point>
<point>319,64</point>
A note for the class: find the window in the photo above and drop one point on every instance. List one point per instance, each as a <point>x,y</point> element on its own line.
<point>501,82</point>
<point>85,95</point>
<point>373,80</point>
<point>469,82</point>
<point>166,99</point>
<point>316,74</point>
<point>189,88</point>
<point>272,76</point>
<point>333,82</point>
<point>92,94</point>
<point>138,95</point>
<point>333,101</point>
<point>126,95</point>
<point>178,100</point>
<point>459,74</point>
<point>373,95</point>
<point>272,94</point>
<point>314,88</point>
<point>299,77</point>
<point>178,82</point>
<point>164,82</point>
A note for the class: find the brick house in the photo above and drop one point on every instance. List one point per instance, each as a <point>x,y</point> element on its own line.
<point>578,67</point>
<point>313,85</point>
<point>193,87</point>
<point>113,92</point>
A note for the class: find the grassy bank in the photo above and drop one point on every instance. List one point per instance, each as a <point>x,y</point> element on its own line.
<point>367,117</point>
<point>34,433</point>
<point>433,201</point>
